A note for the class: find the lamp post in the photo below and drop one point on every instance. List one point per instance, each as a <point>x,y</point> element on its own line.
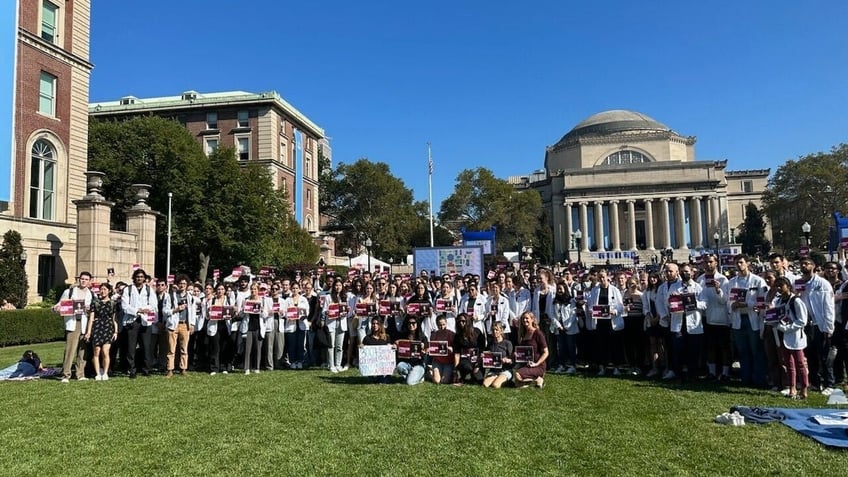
<point>732,235</point>
<point>805,228</point>
<point>391,266</point>
<point>716,236</point>
<point>578,235</point>
<point>368,244</point>
<point>782,245</point>
<point>349,254</point>
<point>23,259</point>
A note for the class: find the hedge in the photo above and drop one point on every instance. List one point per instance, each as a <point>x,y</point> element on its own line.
<point>31,325</point>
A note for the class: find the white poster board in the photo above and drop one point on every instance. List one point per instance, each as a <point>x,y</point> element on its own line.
<point>376,360</point>
<point>448,260</point>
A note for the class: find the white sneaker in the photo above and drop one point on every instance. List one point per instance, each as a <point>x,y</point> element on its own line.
<point>334,369</point>
<point>105,377</point>
<point>82,378</point>
<point>98,378</point>
<point>255,371</point>
<point>635,372</point>
<point>602,372</point>
<point>616,372</point>
<point>571,370</point>
<point>827,391</point>
<point>654,372</point>
<point>786,391</point>
<point>247,371</point>
<point>669,375</point>
<point>343,369</point>
<point>213,373</point>
<point>65,380</point>
<point>224,372</point>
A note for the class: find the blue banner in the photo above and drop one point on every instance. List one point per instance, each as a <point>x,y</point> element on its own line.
<point>8,57</point>
<point>297,189</point>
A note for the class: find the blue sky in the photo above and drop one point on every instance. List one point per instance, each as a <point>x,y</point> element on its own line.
<point>492,83</point>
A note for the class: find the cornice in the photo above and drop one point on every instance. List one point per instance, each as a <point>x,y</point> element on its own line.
<point>37,43</point>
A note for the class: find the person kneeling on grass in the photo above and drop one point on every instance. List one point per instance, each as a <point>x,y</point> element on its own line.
<point>377,337</point>
<point>412,368</point>
<point>442,365</point>
<point>467,343</point>
<point>495,378</point>
<point>530,335</point>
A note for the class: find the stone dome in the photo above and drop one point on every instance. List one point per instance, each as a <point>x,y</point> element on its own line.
<point>614,121</point>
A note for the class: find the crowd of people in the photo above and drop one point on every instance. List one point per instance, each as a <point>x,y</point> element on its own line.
<point>780,329</point>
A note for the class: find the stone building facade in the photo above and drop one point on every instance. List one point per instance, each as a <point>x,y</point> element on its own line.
<point>629,183</point>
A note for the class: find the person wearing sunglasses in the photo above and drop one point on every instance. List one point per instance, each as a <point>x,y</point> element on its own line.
<point>411,369</point>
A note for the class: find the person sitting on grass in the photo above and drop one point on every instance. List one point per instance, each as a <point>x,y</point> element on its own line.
<point>102,331</point>
<point>412,368</point>
<point>467,343</point>
<point>377,337</point>
<point>28,365</point>
<point>529,335</point>
<point>442,365</point>
<point>495,378</point>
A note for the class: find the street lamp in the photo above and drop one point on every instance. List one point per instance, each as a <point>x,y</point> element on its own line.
<point>349,254</point>
<point>716,236</point>
<point>806,229</point>
<point>23,259</point>
<point>578,235</point>
<point>782,245</point>
<point>368,244</point>
<point>391,266</point>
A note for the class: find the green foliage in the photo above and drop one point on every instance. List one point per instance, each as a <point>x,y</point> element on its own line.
<point>13,281</point>
<point>576,425</point>
<point>32,325</point>
<point>752,233</point>
<point>223,214</point>
<point>543,249</point>
<point>808,189</point>
<point>364,200</point>
<point>480,200</point>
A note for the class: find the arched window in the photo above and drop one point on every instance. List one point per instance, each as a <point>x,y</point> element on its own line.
<point>620,158</point>
<point>42,181</point>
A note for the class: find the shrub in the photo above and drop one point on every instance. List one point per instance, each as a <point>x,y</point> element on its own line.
<point>31,325</point>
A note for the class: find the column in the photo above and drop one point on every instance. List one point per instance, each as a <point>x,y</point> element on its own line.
<point>560,236</point>
<point>584,227</point>
<point>631,224</point>
<point>599,225</point>
<point>569,229</point>
<point>709,219</point>
<point>695,214</point>
<point>666,226</point>
<point>615,235</point>
<point>680,223</point>
<point>716,223</point>
<point>141,221</point>
<point>649,225</point>
<point>93,237</point>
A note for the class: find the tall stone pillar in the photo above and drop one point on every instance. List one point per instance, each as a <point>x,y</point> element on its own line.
<point>649,225</point>
<point>93,224</point>
<point>716,223</point>
<point>631,224</point>
<point>569,228</point>
<point>697,228</point>
<point>141,221</point>
<point>666,226</point>
<point>560,237</point>
<point>584,227</point>
<point>599,226</point>
<point>615,236</point>
<point>680,223</point>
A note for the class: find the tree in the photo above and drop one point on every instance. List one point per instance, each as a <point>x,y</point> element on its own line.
<point>808,189</point>
<point>752,233</point>
<point>13,280</point>
<point>364,200</point>
<point>223,214</point>
<point>543,245</point>
<point>480,200</point>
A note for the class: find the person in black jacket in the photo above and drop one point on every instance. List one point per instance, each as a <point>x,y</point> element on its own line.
<point>467,344</point>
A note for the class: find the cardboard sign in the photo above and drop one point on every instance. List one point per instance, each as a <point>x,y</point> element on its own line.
<point>601,311</point>
<point>523,354</point>
<point>438,348</point>
<point>292,313</point>
<point>738,295</point>
<point>252,307</point>
<point>376,360</point>
<point>775,315</point>
<point>409,349</point>
<point>492,360</point>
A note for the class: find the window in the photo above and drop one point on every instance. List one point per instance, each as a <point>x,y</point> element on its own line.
<point>42,180</point>
<point>283,127</point>
<point>243,144</point>
<point>49,21</point>
<point>625,157</point>
<point>46,273</point>
<point>747,187</point>
<point>211,146</point>
<point>47,94</point>
<point>307,167</point>
<point>308,197</point>
<point>283,146</point>
<point>242,119</point>
<point>212,120</point>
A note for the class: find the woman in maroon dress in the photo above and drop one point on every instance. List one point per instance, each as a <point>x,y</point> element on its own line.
<point>529,334</point>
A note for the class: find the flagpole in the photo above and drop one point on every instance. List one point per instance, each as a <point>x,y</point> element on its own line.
<point>430,188</point>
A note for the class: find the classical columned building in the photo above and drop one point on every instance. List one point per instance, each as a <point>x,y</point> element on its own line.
<point>629,183</point>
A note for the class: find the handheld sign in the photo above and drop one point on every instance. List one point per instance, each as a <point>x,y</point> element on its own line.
<point>492,360</point>
<point>675,304</point>
<point>775,315</point>
<point>252,307</point>
<point>441,305</point>
<point>228,312</point>
<point>216,312</point>
<point>333,311</point>
<point>412,309</point>
<point>438,348</point>
<point>292,313</point>
<point>170,280</point>
<point>600,311</point>
<point>216,273</point>
<point>376,360</point>
<point>409,349</point>
<point>361,310</point>
<point>275,306</point>
<point>738,295</point>
<point>523,354</point>
<point>385,307</point>
<point>800,286</point>
<point>66,307</point>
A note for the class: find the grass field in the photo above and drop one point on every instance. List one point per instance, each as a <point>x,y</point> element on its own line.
<point>317,423</point>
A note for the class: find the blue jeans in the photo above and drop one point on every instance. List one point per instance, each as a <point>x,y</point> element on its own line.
<point>17,370</point>
<point>566,348</point>
<point>752,355</point>
<point>294,346</point>
<point>412,374</point>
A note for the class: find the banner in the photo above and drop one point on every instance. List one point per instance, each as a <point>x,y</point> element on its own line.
<point>376,360</point>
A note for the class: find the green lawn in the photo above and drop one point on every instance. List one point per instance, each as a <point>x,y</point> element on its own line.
<point>317,423</point>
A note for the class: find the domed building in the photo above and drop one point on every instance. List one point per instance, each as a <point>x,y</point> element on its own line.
<point>629,183</point>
